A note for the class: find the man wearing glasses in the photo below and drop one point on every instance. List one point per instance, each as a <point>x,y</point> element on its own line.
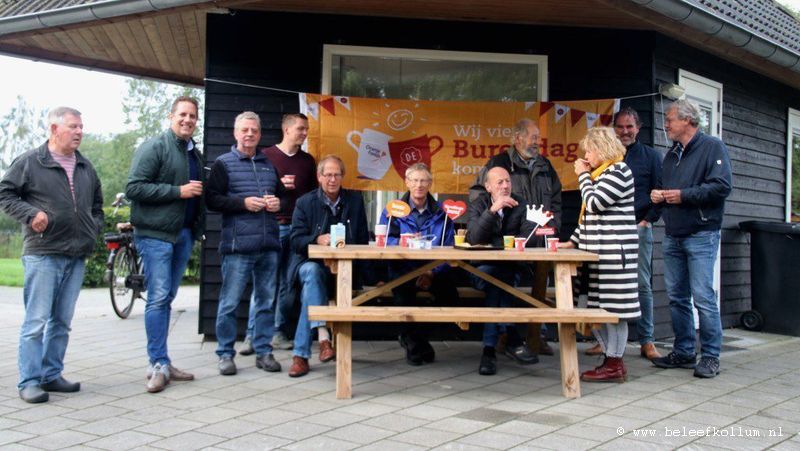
<point>313,216</point>
<point>427,218</point>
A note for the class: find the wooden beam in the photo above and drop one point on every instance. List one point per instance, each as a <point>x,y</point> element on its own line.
<point>459,315</point>
<point>389,286</point>
<point>502,285</point>
<point>35,53</point>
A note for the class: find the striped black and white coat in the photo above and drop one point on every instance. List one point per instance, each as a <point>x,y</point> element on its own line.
<point>609,230</point>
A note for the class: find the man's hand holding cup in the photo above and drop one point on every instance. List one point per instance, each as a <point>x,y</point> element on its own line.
<point>192,189</point>
<point>272,203</point>
<point>288,181</point>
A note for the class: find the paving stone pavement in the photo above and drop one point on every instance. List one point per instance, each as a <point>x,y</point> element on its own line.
<point>446,405</point>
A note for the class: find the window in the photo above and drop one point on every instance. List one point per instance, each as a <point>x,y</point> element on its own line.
<point>793,167</point>
<point>378,72</point>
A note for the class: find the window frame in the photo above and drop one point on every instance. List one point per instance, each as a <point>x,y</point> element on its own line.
<point>792,123</point>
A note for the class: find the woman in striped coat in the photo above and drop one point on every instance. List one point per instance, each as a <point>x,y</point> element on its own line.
<point>607,227</point>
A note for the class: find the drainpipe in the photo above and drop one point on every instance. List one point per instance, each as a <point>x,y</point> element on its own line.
<point>86,13</point>
<point>726,30</point>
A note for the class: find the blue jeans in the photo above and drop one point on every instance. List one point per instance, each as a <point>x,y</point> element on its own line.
<point>285,301</point>
<point>495,296</point>
<point>52,284</point>
<point>645,324</point>
<point>237,269</point>
<point>313,279</point>
<point>164,265</point>
<point>689,276</point>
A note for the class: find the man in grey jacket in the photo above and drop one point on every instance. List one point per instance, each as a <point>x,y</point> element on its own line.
<point>55,194</point>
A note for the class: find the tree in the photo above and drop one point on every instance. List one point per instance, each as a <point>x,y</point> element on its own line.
<point>148,104</point>
<point>22,129</point>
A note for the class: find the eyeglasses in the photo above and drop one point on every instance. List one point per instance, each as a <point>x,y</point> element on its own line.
<point>331,176</point>
<point>420,181</point>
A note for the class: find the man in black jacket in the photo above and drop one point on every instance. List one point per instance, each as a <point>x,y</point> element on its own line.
<point>313,216</point>
<point>55,194</point>
<point>493,214</point>
<point>697,178</point>
<point>534,179</point>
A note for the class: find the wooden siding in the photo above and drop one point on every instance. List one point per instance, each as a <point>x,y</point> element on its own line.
<point>583,63</point>
<point>754,121</point>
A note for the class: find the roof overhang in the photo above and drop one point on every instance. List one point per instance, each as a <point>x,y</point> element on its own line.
<point>165,39</point>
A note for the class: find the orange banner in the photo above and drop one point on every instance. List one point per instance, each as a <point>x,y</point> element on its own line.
<point>379,138</point>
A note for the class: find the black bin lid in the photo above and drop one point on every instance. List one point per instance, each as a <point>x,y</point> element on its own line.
<point>775,227</point>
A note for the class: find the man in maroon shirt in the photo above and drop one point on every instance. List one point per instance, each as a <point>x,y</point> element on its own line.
<point>297,170</point>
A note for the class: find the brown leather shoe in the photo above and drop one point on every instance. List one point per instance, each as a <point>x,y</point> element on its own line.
<point>299,367</point>
<point>649,351</point>
<point>157,382</point>
<point>326,352</point>
<point>594,350</point>
<point>179,375</point>
<point>544,347</point>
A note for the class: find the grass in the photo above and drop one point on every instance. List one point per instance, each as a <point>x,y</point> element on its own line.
<point>11,274</point>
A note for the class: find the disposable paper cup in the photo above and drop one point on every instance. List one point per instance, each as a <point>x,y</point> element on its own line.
<point>519,244</point>
<point>508,241</point>
<point>380,235</point>
<point>460,240</point>
<point>552,244</point>
<point>404,237</point>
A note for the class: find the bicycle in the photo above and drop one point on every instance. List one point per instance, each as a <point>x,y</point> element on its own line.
<point>124,271</point>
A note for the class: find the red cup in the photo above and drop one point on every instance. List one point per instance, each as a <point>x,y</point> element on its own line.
<point>380,240</point>
<point>552,244</point>
<point>404,237</point>
<point>519,244</point>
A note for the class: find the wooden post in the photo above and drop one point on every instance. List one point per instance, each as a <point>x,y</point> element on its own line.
<point>570,377</point>
<point>538,291</point>
<point>344,332</point>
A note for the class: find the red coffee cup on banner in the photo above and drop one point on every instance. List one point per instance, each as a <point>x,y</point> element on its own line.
<point>412,151</point>
<point>404,237</point>
<point>519,244</point>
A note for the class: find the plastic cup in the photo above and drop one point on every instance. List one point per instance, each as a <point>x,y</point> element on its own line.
<point>380,235</point>
<point>552,244</point>
<point>404,237</point>
<point>460,240</point>
<point>519,244</point>
<point>508,241</point>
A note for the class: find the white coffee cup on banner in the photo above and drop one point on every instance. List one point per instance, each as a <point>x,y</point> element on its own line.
<point>373,152</point>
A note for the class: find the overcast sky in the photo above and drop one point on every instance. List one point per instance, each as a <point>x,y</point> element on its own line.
<point>97,95</point>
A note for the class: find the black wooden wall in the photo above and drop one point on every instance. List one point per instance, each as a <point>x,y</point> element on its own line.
<point>582,63</point>
<point>754,123</point>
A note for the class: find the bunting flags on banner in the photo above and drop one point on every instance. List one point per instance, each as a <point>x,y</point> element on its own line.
<point>455,139</point>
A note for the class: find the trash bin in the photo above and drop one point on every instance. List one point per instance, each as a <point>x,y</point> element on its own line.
<point>774,277</point>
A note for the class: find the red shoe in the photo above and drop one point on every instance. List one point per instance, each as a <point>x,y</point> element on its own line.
<point>299,367</point>
<point>326,352</point>
<point>612,370</point>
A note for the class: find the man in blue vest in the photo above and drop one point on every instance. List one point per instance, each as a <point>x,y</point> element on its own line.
<point>244,187</point>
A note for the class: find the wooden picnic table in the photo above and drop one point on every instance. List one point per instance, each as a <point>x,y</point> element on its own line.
<point>348,309</point>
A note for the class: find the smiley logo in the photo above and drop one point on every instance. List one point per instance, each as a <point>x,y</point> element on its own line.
<point>400,119</point>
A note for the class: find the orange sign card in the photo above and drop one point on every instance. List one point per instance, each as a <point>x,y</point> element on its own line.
<point>398,209</point>
<point>378,139</point>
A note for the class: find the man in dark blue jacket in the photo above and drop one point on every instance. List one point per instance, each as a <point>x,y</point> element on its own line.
<point>426,218</point>
<point>645,163</point>
<point>696,178</point>
<point>244,187</point>
<point>313,216</point>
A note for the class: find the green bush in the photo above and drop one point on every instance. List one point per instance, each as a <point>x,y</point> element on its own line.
<point>96,264</point>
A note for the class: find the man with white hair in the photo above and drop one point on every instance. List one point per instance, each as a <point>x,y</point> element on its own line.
<point>697,178</point>
<point>54,192</point>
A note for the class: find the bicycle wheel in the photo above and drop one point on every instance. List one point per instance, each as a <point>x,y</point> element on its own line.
<point>122,296</point>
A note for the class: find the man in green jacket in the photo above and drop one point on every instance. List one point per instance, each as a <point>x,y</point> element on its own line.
<point>165,187</point>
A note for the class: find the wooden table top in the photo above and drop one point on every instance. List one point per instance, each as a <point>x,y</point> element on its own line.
<point>371,252</point>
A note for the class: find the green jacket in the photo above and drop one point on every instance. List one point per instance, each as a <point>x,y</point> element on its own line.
<point>160,166</point>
